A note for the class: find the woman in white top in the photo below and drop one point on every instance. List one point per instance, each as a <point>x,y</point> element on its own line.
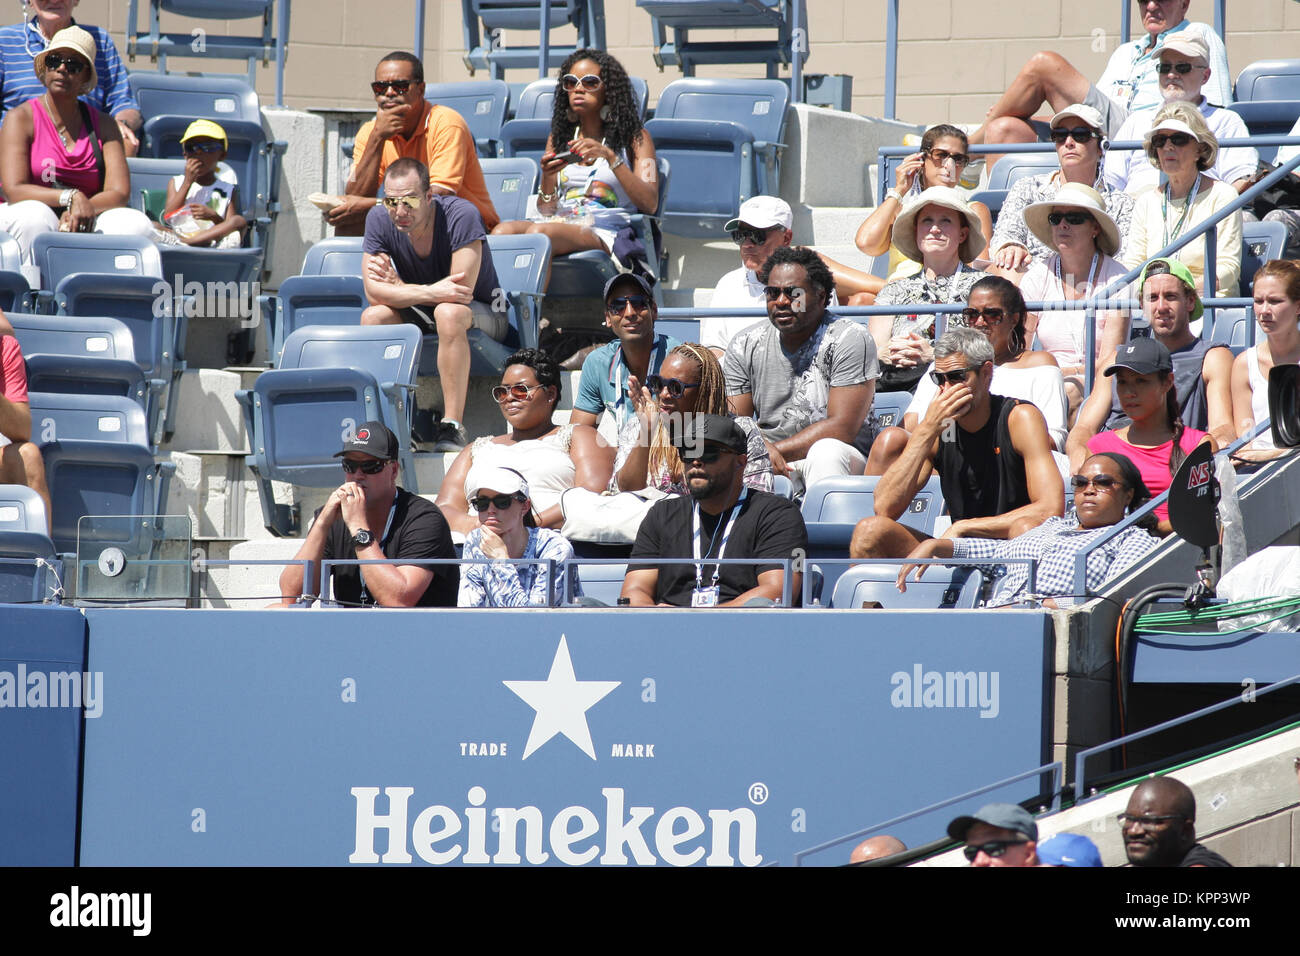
<point>1182,147</point>
<point>1277,310</point>
<point>1083,238</point>
<point>599,165</point>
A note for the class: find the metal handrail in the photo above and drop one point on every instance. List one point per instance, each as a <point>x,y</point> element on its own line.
<point>1030,581</point>
<point>788,567</point>
<point>327,566</point>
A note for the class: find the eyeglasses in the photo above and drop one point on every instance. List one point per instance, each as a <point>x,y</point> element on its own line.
<point>956,377</point>
<point>589,81</point>
<point>1100,482</point>
<point>994,848</point>
<point>748,234</point>
<point>791,292</point>
<point>1178,139</point>
<point>520,392</point>
<point>1080,134</point>
<point>72,64</point>
<point>706,455</point>
<point>1073,218</point>
<point>657,383</point>
<point>502,502</point>
<point>203,147</point>
<point>991,316</point>
<point>1125,820</point>
<point>397,86</point>
<point>941,156</point>
<point>365,467</point>
<point>619,306</point>
<point>1182,69</point>
<point>410,202</point>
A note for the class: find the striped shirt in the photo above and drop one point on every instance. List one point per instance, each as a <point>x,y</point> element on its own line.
<point>19,44</point>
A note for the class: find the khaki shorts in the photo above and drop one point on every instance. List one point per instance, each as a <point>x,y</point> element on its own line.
<point>492,322</point>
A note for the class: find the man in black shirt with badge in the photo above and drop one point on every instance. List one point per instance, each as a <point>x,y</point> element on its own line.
<point>369,518</point>
<point>720,519</point>
<point>1159,826</point>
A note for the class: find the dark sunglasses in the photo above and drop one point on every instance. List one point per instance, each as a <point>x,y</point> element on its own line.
<point>1182,69</point>
<point>1102,482</point>
<point>365,467</point>
<point>1080,134</point>
<point>588,81</point>
<point>994,849</point>
<point>791,292</point>
<point>706,455</point>
<point>73,64</point>
<point>991,316</point>
<point>502,502</point>
<point>1178,139</point>
<point>746,234</point>
<point>521,392</point>
<point>941,156</point>
<point>619,306</point>
<point>657,383</point>
<point>1073,218</point>
<point>397,86</point>
<point>203,147</point>
<point>956,377</point>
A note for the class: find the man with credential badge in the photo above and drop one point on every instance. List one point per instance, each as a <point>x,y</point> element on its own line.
<point>720,519</point>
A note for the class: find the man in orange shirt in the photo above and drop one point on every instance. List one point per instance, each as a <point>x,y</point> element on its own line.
<point>405,124</point>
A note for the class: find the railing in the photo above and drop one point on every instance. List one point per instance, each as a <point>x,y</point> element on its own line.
<point>1030,581</point>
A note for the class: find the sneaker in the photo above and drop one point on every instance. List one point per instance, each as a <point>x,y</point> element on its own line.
<point>449,437</point>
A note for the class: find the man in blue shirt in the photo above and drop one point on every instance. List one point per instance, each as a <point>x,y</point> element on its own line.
<point>630,313</point>
<point>21,42</point>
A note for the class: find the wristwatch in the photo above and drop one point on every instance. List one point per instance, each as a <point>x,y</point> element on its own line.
<point>362,538</point>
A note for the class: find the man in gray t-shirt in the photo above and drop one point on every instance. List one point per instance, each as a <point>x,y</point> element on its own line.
<point>807,377</point>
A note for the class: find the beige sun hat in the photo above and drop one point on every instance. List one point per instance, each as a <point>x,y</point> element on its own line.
<point>70,40</point>
<point>904,237</point>
<point>1074,196</point>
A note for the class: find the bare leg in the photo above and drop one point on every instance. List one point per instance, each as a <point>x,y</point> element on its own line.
<point>886,448</point>
<point>1047,78</point>
<point>566,238</point>
<point>850,282</point>
<point>380,315</point>
<point>514,227</point>
<point>453,321</point>
<point>879,537</point>
<point>21,464</point>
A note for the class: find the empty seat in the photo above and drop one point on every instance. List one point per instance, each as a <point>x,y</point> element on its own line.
<point>30,569</point>
<point>60,254</point>
<point>1268,118</point>
<point>13,284</point>
<point>111,418</point>
<point>683,330</point>
<point>848,499</point>
<point>510,182</point>
<point>1260,243</point>
<point>875,586</point>
<point>1269,80</point>
<point>603,582</point>
<point>1016,166</point>
<point>149,179</point>
<point>481,103</point>
<point>686,18</point>
<point>199,96</point>
<point>22,509</point>
<point>336,256</point>
<point>315,300</point>
<point>483,21</point>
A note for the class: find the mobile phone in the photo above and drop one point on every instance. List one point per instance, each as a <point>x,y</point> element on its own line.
<point>568,156</point>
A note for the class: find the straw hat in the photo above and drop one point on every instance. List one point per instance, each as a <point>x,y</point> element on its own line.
<point>1074,196</point>
<point>904,237</point>
<point>70,40</point>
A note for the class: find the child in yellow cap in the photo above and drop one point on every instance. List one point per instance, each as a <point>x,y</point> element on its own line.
<point>202,202</point>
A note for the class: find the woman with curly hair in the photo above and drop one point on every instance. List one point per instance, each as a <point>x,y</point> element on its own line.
<point>599,165</point>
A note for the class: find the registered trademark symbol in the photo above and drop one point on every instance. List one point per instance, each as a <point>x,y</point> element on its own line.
<point>758,794</point>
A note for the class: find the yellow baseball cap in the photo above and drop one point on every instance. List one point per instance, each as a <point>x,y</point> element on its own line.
<point>205,128</point>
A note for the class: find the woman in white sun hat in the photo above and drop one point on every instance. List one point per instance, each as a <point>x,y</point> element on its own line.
<point>1083,240</point>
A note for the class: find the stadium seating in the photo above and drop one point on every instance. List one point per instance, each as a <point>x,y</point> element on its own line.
<point>876,586</point>
<point>336,256</point>
<point>888,408</point>
<point>21,509</point>
<point>1260,242</point>
<point>13,284</point>
<point>847,499</point>
<point>111,418</point>
<point>510,182</point>
<point>483,18</point>
<point>686,17</point>
<point>1268,118</point>
<point>1006,171</point>
<point>218,98</point>
<point>481,103</point>
<point>537,100</point>
<point>1269,80</point>
<point>29,567</point>
<point>149,179</point>
<point>602,582</point>
<point>326,378</point>
<point>60,254</point>
<point>683,330</point>
<point>314,300</point>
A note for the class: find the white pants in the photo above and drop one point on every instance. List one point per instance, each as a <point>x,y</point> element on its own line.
<point>827,458</point>
<point>26,220</point>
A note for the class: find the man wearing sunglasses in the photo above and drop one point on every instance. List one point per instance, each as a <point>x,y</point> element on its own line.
<point>407,125</point>
<point>369,517</point>
<point>1159,826</point>
<point>998,834</point>
<point>721,518</point>
<point>762,226</point>
<point>1183,68</point>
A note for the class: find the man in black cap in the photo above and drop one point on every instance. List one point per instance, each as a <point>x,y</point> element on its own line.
<point>721,519</point>
<point>1159,826</point>
<point>369,518</point>
<point>999,834</point>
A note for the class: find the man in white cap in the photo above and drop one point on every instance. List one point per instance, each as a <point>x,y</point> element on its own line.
<point>1183,68</point>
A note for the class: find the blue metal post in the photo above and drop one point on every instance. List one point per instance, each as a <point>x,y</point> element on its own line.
<point>799,42</point>
<point>1220,18</point>
<point>891,58</point>
<point>419,30</point>
<point>1125,16</point>
<point>281,38</point>
<point>543,38</point>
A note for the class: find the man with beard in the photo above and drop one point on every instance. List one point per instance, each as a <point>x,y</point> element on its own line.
<point>721,519</point>
<point>1159,826</point>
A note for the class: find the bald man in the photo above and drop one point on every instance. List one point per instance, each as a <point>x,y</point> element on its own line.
<point>1159,826</point>
<point>877,848</point>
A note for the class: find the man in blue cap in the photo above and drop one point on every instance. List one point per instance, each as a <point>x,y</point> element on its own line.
<point>999,834</point>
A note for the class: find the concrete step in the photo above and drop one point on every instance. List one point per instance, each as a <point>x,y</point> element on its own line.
<point>218,492</point>
<point>207,415</point>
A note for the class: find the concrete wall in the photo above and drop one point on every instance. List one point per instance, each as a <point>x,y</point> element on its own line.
<point>954,57</point>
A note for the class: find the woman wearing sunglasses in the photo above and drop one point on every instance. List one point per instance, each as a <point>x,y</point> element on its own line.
<point>599,165</point>
<point>1182,147</point>
<point>62,162</point>
<point>939,162</point>
<point>507,530</point>
<point>552,458</point>
<point>1277,310</point>
<point>1106,488</point>
<point>1083,238</point>
<point>1080,153</point>
<point>689,382</point>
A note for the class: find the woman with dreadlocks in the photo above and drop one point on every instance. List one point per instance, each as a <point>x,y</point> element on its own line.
<point>599,165</point>
<point>690,381</point>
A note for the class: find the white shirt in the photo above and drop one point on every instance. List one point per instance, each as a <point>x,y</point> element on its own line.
<point>1131,170</point>
<point>738,289</point>
<point>1131,79</point>
<point>1287,153</point>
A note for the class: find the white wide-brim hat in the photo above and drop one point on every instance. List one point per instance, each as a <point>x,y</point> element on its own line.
<point>904,237</point>
<point>1074,196</point>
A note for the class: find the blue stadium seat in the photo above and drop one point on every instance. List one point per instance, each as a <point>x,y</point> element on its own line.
<point>524,139</point>
<point>683,330</point>
<point>1269,80</point>
<point>781,485</point>
<point>510,182</point>
<point>205,96</point>
<point>483,18</point>
<point>537,100</point>
<point>29,567</point>
<point>1260,243</point>
<point>685,17</point>
<point>888,408</point>
<point>21,509</point>
<point>315,300</point>
<point>993,198</point>
<point>1016,166</point>
<point>60,254</point>
<point>875,586</point>
<point>217,43</point>
<point>13,284</point>
<point>336,256</point>
<point>111,418</point>
<point>328,377</point>
<point>1268,118</point>
<point>150,175</point>
<point>848,499</point>
<point>481,103</point>
<point>604,582</point>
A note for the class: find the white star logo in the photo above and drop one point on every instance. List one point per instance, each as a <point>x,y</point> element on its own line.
<point>561,702</point>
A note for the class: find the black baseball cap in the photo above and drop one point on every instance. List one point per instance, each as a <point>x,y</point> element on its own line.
<point>721,429</point>
<point>1143,356</point>
<point>629,277</point>
<point>371,438</point>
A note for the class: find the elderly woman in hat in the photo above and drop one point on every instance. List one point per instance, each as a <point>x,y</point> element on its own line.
<point>507,530</point>
<point>1182,147</point>
<point>1078,134</point>
<point>1082,239</point>
<point>62,162</point>
<point>939,230</point>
